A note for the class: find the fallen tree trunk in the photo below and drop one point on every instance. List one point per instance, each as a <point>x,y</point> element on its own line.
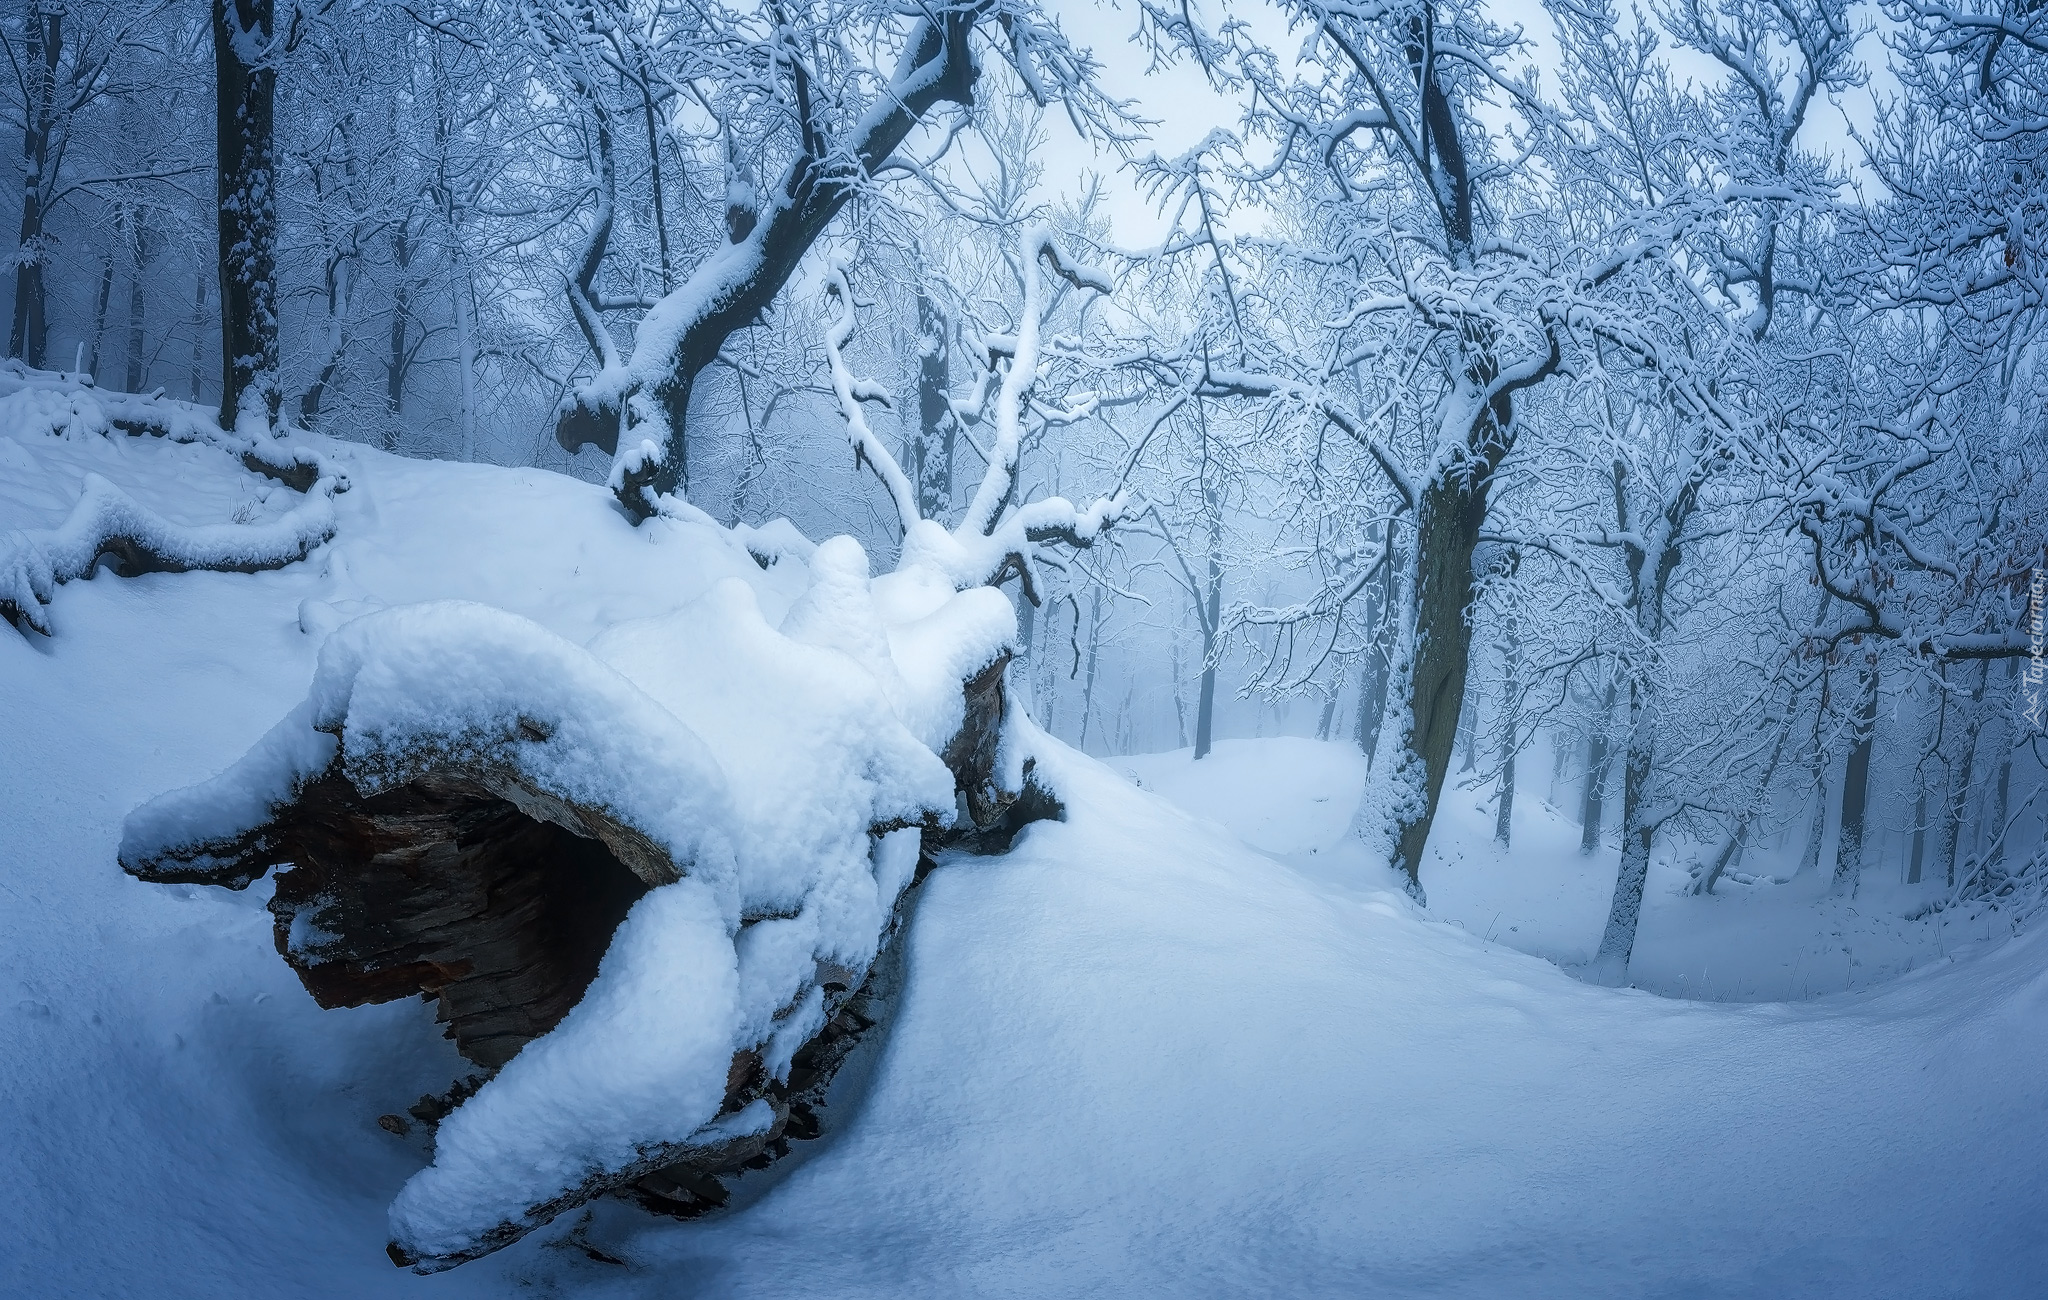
<point>470,870</point>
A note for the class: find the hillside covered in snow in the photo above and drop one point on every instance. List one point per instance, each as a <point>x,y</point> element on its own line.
<point>1024,648</point>
<point>1152,1050</point>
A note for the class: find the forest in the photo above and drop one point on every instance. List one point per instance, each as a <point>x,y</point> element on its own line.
<point>1025,647</point>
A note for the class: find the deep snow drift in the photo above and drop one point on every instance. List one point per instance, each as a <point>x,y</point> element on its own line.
<point>1135,1056</point>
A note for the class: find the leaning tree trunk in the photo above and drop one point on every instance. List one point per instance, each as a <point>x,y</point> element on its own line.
<point>245,92</point>
<point>1638,833</point>
<point>939,66</point>
<point>1448,519</point>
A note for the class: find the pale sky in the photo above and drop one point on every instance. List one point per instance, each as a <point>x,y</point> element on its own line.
<point>1187,109</point>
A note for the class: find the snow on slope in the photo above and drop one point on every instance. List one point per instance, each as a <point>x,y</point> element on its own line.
<point>1132,1058</point>
<point>1777,938</point>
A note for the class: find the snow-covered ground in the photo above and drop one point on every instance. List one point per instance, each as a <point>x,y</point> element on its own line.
<point>1777,936</point>
<point>1144,1054</point>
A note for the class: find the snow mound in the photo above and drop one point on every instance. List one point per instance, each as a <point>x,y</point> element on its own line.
<point>38,408</point>
<point>106,519</point>
<point>764,780</point>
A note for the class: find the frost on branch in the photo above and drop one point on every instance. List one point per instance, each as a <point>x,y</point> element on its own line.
<point>641,877</point>
<point>996,537</point>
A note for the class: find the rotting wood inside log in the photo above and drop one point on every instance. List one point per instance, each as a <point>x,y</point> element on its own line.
<point>442,887</point>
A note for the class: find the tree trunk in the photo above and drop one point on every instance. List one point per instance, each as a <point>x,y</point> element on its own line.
<point>2001,789</point>
<point>198,331</point>
<point>812,192</point>
<point>654,176</point>
<point>1919,854</point>
<point>245,97</point>
<point>43,46</point>
<point>138,267</point>
<point>497,898</point>
<point>1447,530</point>
<point>1856,788</point>
<point>1510,724</point>
<point>1180,704</point>
<point>1617,943</point>
<point>337,343</point>
<point>1372,680</point>
<point>1597,758</point>
<point>1504,815</point>
<point>1205,704</point>
<point>932,455</point>
<point>1088,680</point>
<point>401,317</point>
<point>99,316</point>
<point>465,352</point>
<point>1957,803</point>
<point>1468,733</point>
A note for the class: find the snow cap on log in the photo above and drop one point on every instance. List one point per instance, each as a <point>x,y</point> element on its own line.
<point>771,784</point>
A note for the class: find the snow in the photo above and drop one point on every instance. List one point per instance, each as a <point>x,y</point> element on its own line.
<point>755,760</point>
<point>53,435</point>
<point>641,1059</point>
<point>1779,937</point>
<point>1135,1056</point>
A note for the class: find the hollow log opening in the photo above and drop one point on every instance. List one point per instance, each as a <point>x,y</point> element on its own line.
<point>441,887</point>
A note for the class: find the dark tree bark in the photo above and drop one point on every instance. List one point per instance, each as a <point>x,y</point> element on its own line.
<point>1856,786</point>
<point>1210,612</point>
<point>198,332</point>
<point>657,196</point>
<point>99,316</point>
<point>1447,532</point>
<point>931,456</point>
<point>43,47</point>
<point>1088,676</point>
<point>2001,789</point>
<point>245,92</point>
<point>1372,679</point>
<point>1468,733</point>
<point>1956,806</point>
<point>1510,717</point>
<point>141,248</point>
<point>1919,854</point>
<point>1597,758</point>
<point>316,392</point>
<point>400,360</point>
